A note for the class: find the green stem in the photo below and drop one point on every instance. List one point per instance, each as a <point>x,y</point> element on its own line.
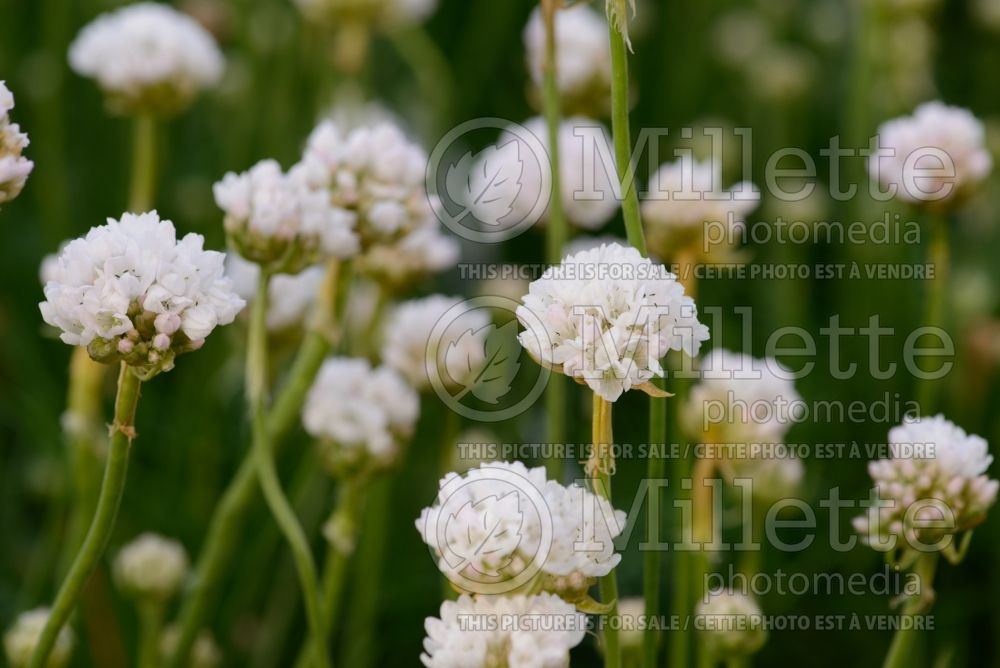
<point>104,517</point>
<point>227,521</point>
<point>702,510</point>
<point>424,58</point>
<point>141,194</point>
<point>150,628</point>
<point>903,641</point>
<point>623,140</point>
<point>602,441</point>
<point>652,559</point>
<point>938,256</point>
<point>267,474</point>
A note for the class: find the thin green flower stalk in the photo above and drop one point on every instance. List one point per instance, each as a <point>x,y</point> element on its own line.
<point>151,614</point>
<point>601,468</point>
<point>903,641</point>
<point>112,488</point>
<point>939,256</point>
<point>263,457</point>
<point>143,185</point>
<point>231,512</point>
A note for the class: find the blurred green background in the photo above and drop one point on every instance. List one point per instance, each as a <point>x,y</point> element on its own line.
<point>810,69</point>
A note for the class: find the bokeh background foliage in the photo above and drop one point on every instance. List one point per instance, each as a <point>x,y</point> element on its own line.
<point>833,75</point>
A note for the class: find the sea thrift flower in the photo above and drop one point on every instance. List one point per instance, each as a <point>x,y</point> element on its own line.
<point>14,168</point>
<point>490,527</point>
<point>20,640</point>
<point>416,341</point>
<point>421,253</point>
<point>606,316</point>
<point>688,209</point>
<point>147,58</point>
<point>131,291</point>
<point>936,156</point>
<point>278,221</point>
<point>151,567</point>
<point>732,624</point>
<point>583,57</point>
<point>205,653</point>
<point>936,475</point>
<point>452,642</point>
<point>290,296</point>
<point>361,415</point>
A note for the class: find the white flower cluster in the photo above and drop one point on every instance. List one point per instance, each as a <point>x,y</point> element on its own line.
<point>20,640</point>
<point>501,522</point>
<point>360,415</point>
<point>935,156</point>
<point>151,567</point>
<point>606,316</point>
<point>290,296</point>
<point>482,632</point>
<point>583,57</point>
<point>205,653</point>
<point>687,195</point>
<point>383,13</point>
<point>417,342</point>
<point>147,58</point>
<point>731,624</point>
<point>936,464</point>
<point>278,220</point>
<point>130,290</point>
<point>14,167</point>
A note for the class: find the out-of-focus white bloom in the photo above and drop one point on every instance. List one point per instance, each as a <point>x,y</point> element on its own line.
<point>606,316</point>
<point>739,35</point>
<point>290,296</point>
<point>20,640</point>
<point>457,347</point>
<point>583,57</point>
<point>14,168</point>
<point>452,642</point>
<point>151,567</point>
<point>686,201</point>
<point>421,253</point>
<point>147,57</point>
<point>934,463</point>
<point>205,652</point>
<point>130,290</point>
<point>987,14</point>
<point>780,73</point>
<point>632,611</point>
<point>382,13</point>
<point>500,521</point>
<point>935,156</point>
<point>732,625</point>
<point>278,220</point>
<point>360,415</point>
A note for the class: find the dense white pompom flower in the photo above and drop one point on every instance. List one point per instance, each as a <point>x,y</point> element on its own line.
<point>277,220</point>
<point>290,297</point>
<point>382,13</point>
<point>20,640</point>
<point>686,199</point>
<point>935,156</point>
<point>131,291</point>
<point>501,523</point>
<point>374,172</point>
<point>360,415</point>
<point>583,57</point>
<point>731,624</point>
<point>151,567</point>
<point>934,463</point>
<point>147,57</point>
<point>606,317</point>
<point>14,167</point>
<point>511,631</point>
<point>417,344</point>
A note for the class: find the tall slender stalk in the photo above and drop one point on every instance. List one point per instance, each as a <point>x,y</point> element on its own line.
<point>150,628</point>
<point>140,197</point>
<point>937,291</point>
<point>902,642</point>
<point>112,488</point>
<point>228,518</point>
<point>701,507</point>
<point>604,454</point>
<point>263,456</point>
<point>652,558</point>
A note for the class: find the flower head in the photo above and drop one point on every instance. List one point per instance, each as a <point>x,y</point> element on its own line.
<point>205,652</point>
<point>14,168</point>
<point>606,316</point>
<point>147,58</point>
<point>277,220</point>
<point>20,640</point>
<point>417,255</point>
<point>453,643</point>
<point>361,415</point>
<point>731,623</point>
<point>416,339</point>
<point>131,291</point>
<point>151,567</point>
<point>936,473</point>
<point>290,296</point>
<point>502,522</point>
<point>685,198</point>
<point>935,157</point>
